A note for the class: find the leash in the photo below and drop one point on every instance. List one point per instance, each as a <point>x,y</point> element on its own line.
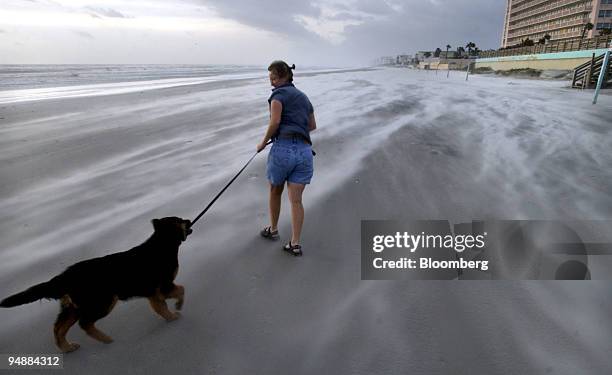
<point>225,188</point>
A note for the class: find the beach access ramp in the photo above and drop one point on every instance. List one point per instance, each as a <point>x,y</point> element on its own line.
<point>586,75</point>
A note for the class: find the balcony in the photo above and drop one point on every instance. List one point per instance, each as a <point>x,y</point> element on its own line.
<point>519,8</point>
<point>548,28</point>
<point>549,17</point>
<point>545,9</point>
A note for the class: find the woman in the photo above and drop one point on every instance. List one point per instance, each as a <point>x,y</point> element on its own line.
<point>290,158</point>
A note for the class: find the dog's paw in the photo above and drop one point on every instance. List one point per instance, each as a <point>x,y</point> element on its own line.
<point>173,316</point>
<point>106,340</point>
<point>70,347</point>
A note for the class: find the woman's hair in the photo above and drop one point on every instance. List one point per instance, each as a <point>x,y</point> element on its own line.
<point>282,70</point>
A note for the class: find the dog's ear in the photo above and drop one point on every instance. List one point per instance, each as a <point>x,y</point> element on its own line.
<point>155,223</point>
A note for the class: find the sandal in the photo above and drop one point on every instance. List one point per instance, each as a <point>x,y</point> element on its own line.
<point>295,250</point>
<point>268,233</point>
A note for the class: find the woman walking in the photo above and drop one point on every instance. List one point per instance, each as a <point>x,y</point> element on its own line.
<point>290,158</point>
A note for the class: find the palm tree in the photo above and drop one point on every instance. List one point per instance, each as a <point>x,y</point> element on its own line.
<point>437,52</point>
<point>546,38</point>
<point>460,51</point>
<point>587,26</point>
<point>470,46</point>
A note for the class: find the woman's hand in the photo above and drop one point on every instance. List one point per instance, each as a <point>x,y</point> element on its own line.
<point>261,146</point>
<point>312,123</point>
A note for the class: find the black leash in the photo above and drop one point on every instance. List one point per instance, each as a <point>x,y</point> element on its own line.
<point>225,188</point>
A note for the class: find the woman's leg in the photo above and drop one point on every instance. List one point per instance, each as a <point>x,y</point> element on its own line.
<point>276,192</point>
<point>297,211</point>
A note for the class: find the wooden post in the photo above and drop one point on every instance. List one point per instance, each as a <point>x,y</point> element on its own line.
<point>588,77</point>
<point>602,75</point>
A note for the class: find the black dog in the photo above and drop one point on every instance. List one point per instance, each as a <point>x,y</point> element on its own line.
<point>88,290</point>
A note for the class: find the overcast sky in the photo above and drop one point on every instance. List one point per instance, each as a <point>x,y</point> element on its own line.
<point>314,33</point>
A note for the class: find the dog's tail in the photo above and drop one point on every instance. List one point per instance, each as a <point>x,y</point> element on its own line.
<point>50,289</point>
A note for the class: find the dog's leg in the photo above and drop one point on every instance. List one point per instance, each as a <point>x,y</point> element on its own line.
<point>177,293</point>
<point>158,303</point>
<point>95,333</point>
<point>67,317</point>
<point>93,313</point>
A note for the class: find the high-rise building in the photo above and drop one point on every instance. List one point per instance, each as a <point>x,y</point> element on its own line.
<point>561,19</point>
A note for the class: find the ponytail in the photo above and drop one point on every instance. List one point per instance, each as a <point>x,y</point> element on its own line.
<point>282,70</point>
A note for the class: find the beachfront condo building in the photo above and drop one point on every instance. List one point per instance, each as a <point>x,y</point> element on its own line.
<point>561,19</point>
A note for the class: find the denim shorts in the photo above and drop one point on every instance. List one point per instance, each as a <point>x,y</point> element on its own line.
<point>290,160</point>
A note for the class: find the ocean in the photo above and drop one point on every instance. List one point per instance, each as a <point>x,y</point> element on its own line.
<point>15,77</point>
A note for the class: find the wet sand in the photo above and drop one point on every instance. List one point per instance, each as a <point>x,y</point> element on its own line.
<point>85,176</point>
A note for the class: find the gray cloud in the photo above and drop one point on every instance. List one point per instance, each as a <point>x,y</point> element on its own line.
<point>426,24</point>
<point>280,16</point>
<point>387,27</point>
<point>372,7</point>
<point>83,34</point>
<point>105,12</point>
<point>271,15</point>
<point>346,16</point>
<point>312,32</point>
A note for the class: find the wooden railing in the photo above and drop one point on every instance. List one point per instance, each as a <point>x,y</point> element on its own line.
<point>554,46</point>
<point>587,74</point>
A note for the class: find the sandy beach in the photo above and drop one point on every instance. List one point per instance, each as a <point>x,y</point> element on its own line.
<point>82,176</point>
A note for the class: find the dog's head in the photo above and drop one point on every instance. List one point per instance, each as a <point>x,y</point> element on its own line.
<point>173,227</point>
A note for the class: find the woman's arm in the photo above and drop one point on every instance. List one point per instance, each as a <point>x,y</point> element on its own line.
<point>312,123</point>
<point>276,108</point>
